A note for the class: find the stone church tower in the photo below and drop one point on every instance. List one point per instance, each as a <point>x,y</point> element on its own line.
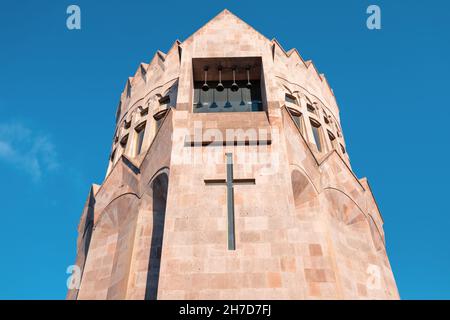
<point>228,178</point>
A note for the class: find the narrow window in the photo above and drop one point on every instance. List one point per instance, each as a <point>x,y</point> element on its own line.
<point>342,149</point>
<point>290,98</point>
<point>159,189</point>
<point>140,130</point>
<point>143,111</point>
<point>311,108</point>
<point>316,134</point>
<point>123,142</point>
<point>158,123</point>
<point>297,117</point>
<point>159,117</point>
<point>332,139</point>
<point>164,101</point>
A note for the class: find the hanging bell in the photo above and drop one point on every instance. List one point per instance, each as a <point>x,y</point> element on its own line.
<point>249,84</point>
<point>220,86</point>
<point>205,86</point>
<point>234,86</point>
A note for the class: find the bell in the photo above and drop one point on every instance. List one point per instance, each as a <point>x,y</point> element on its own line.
<point>234,86</point>
<point>205,86</point>
<point>249,84</point>
<point>220,86</point>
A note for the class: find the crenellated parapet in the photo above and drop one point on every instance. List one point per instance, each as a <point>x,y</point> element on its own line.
<point>229,178</point>
<point>155,86</point>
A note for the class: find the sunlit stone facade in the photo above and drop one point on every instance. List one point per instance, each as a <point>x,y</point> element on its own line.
<point>169,221</point>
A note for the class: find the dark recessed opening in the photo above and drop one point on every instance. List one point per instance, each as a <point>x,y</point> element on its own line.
<point>232,84</point>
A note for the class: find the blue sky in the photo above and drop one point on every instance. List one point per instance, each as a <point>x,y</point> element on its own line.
<point>59,90</point>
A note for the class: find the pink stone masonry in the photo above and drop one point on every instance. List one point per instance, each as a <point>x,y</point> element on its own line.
<point>305,227</point>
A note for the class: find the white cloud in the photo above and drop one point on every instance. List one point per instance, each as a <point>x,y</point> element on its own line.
<point>26,150</point>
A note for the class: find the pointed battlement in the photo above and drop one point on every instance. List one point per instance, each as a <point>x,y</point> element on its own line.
<point>228,34</point>
<point>230,108</point>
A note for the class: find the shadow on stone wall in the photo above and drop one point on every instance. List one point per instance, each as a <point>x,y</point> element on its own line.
<point>159,187</point>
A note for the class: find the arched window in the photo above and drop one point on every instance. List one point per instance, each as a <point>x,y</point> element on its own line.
<point>164,101</point>
<point>290,99</point>
<point>143,111</point>
<point>311,108</point>
<point>326,117</point>
<point>317,134</point>
<point>297,117</point>
<point>159,117</point>
<point>332,139</point>
<point>159,195</point>
<point>140,131</point>
<point>123,141</point>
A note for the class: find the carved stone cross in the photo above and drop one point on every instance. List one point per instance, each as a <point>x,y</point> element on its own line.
<point>230,182</point>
